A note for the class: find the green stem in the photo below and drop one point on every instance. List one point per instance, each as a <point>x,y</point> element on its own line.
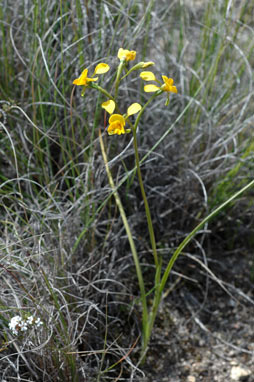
<point>102,90</point>
<point>131,241</point>
<point>147,209</point>
<point>118,76</point>
<point>145,106</point>
<point>141,185</point>
<point>147,330</point>
<point>152,313</point>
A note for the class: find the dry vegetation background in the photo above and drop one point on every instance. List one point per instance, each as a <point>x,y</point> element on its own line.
<point>65,256</point>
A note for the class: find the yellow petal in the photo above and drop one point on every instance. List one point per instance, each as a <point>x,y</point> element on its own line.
<point>91,79</point>
<point>147,76</point>
<point>125,54</point>
<point>168,85</point>
<point>82,80</point>
<point>101,68</point>
<point>109,106</point>
<point>115,128</point>
<point>151,88</point>
<point>134,108</point>
<point>131,55</point>
<point>146,64</point>
<point>122,54</point>
<point>77,81</point>
<point>173,89</point>
<point>84,73</point>
<point>168,81</point>
<point>117,117</point>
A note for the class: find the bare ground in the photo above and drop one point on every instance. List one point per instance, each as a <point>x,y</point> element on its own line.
<point>209,338</point>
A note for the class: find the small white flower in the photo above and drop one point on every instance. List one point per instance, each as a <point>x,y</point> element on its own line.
<point>17,324</point>
<point>38,322</point>
<point>30,320</point>
<point>23,327</point>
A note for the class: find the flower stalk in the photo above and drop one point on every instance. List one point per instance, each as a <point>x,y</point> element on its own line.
<point>117,126</point>
<point>130,238</point>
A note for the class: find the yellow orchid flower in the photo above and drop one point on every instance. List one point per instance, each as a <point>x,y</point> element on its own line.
<point>127,55</point>
<point>116,125</point>
<point>117,121</point>
<point>83,79</point>
<point>167,85</point>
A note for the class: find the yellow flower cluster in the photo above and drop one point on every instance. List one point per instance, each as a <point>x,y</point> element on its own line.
<point>117,122</point>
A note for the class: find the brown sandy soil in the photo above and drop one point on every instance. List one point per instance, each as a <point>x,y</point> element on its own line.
<point>209,339</point>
